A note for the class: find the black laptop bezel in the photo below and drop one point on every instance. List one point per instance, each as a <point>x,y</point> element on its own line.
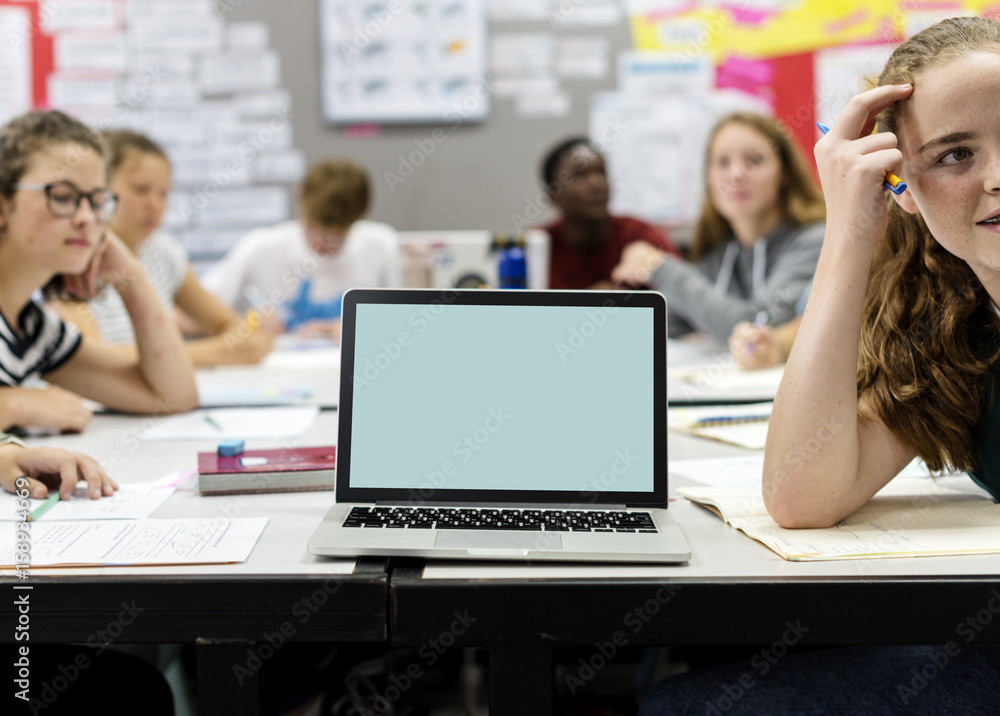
<point>434,298</point>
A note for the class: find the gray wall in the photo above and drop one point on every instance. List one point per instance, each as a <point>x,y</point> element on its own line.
<point>476,179</point>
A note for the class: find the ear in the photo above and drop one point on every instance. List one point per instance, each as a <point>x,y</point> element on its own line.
<point>906,202</point>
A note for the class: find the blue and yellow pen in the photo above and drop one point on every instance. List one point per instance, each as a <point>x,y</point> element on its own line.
<point>892,182</point>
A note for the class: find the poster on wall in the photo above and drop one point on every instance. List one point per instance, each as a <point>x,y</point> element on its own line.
<point>403,61</point>
<point>15,63</point>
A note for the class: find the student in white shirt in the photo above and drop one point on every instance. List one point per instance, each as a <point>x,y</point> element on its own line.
<point>138,172</point>
<point>298,270</point>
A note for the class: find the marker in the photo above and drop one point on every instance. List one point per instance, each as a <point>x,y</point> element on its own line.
<point>44,507</point>
<point>892,182</point>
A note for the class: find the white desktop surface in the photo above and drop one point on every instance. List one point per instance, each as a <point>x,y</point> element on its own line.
<point>292,517</point>
<point>317,369</point>
<point>718,550</point>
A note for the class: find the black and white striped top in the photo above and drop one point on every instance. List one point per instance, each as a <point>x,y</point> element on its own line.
<point>45,343</point>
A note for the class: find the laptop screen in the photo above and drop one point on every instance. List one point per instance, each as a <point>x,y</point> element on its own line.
<point>502,396</point>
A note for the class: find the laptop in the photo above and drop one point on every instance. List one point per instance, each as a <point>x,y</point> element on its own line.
<point>502,424</point>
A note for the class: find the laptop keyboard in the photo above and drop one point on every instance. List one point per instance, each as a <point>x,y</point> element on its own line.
<point>447,518</point>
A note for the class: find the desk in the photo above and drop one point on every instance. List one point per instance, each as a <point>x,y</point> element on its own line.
<point>315,368</point>
<point>223,609</point>
<point>733,591</point>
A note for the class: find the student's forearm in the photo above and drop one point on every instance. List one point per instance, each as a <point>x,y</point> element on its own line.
<point>811,461</point>
<point>163,365</point>
<point>12,409</point>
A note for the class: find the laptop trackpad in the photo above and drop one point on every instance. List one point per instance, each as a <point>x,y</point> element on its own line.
<point>492,543</point>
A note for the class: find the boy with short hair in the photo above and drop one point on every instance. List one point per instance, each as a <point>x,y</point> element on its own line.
<point>298,270</point>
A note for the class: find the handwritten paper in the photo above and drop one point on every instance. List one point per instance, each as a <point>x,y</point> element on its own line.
<point>140,542</point>
<point>132,501</point>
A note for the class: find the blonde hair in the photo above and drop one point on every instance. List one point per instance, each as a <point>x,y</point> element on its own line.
<point>928,339</point>
<point>801,199</point>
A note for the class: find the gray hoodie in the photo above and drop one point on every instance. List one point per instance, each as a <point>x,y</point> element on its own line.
<point>696,303</point>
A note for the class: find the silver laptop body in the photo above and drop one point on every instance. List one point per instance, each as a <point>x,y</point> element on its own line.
<point>486,424</point>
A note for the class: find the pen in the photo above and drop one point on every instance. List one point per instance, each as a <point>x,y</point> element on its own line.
<point>44,507</point>
<point>252,319</point>
<point>759,321</point>
<point>213,422</point>
<point>892,182</point>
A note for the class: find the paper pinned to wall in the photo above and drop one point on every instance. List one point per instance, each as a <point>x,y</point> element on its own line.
<point>287,166</point>
<point>88,89</point>
<point>58,15</point>
<point>839,73</point>
<point>251,206</point>
<point>239,71</point>
<point>556,104</point>
<point>15,63</point>
<point>583,57</point>
<point>177,35</point>
<point>247,36</point>
<point>664,73</point>
<point>654,149</point>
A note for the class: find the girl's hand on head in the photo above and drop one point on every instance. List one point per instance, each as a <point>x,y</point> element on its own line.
<point>853,163</point>
<point>112,262</point>
<point>47,469</point>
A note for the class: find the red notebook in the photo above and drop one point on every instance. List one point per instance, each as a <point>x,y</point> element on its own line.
<point>277,470</point>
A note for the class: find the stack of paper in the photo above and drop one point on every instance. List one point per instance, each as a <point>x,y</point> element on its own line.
<point>910,517</point>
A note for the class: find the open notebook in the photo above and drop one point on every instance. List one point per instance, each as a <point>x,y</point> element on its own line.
<point>910,517</point>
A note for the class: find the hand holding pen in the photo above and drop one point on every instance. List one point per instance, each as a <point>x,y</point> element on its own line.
<point>853,164</point>
<point>753,345</point>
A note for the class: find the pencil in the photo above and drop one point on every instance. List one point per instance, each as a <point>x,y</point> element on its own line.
<point>212,421</point>
<point>44,507</point>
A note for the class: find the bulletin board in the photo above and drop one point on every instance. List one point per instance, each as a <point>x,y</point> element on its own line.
<point>804,58</point>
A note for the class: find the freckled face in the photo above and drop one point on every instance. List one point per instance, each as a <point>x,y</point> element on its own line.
<point>59,245</point>
<point>950,140</point>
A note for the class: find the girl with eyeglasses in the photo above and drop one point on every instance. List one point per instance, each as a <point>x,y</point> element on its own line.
<point>138,171</point>
<point>54,211</point>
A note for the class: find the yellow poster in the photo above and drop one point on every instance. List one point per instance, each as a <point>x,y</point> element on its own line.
<point>774,28</point>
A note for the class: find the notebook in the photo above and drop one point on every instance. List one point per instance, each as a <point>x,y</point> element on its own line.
<point>490,424</point>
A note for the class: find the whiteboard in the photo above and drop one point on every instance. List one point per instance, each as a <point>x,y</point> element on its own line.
<point>404,61</point>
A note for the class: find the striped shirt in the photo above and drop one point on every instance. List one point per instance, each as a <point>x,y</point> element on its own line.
<point>44,344</point>
<point>166,263</point>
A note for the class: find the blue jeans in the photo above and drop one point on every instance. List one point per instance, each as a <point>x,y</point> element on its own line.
<point>950,679</point>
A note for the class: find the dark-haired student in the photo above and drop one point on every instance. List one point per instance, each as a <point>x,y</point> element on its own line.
<point>587,240</point>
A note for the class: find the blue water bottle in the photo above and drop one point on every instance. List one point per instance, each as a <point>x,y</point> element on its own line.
<point>512,265</point>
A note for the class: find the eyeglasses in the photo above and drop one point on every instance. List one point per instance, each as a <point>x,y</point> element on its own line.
<point>63,199</point>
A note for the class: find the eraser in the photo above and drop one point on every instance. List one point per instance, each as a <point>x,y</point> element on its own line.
<point>228,448</point>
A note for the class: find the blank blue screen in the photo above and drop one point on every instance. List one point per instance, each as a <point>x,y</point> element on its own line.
<point>503,398</point>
